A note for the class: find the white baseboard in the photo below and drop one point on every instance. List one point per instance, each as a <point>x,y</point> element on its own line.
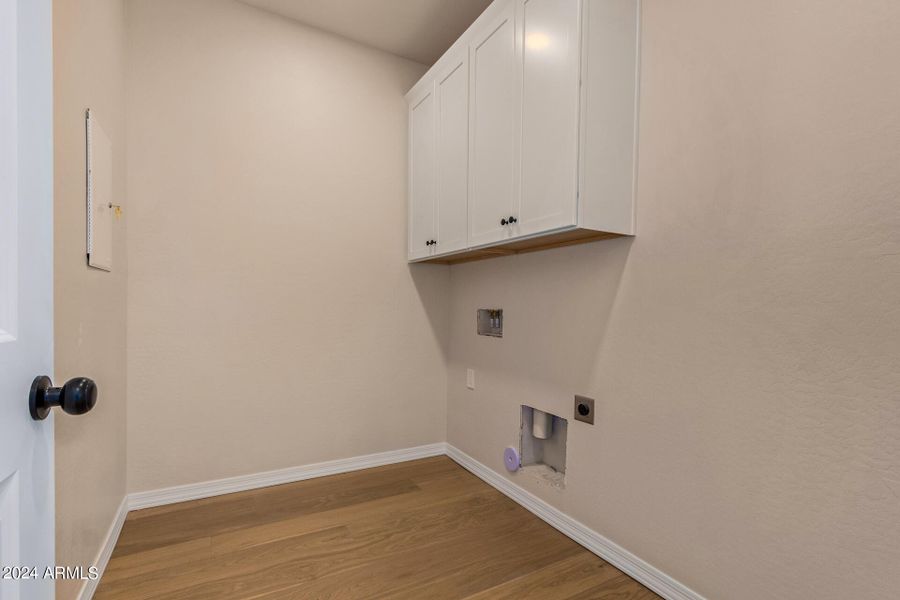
<point>109,544</point>
<point>208,489</point>
<point>625,561</point>
<point>628,563</point>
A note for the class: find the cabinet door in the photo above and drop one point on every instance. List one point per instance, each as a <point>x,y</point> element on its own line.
<point>421,174</point>
<point>494,128</point>
<point>452,97</point>
<point>549,46</point>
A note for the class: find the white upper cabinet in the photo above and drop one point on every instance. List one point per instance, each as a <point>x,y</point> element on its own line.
<point>494,125</point>
<point>608,125</point>
<point>421,174</point>
<point>523,135</point>
<point>548,42</point>
<point>452,95</point>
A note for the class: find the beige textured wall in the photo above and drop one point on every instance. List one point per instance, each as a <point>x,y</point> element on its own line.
<point>89,48</point>
<point>744,347</point>
<point>273,321</point>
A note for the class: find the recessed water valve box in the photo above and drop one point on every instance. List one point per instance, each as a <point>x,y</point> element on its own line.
<point>490,322</point>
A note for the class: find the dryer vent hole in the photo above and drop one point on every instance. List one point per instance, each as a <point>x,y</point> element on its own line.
<point>542,446</point>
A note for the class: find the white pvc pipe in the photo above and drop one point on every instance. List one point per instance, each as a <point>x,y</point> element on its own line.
<point>542,426</point>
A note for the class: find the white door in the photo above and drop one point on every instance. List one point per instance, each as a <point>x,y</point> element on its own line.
<point>494,129</point>
<point>452,94</point>
<point>421,174</point>
<point>26,294</point>
<point>550,56</point>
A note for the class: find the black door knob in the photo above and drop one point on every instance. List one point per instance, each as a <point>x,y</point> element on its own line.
<point>504,222</point>
<point>76,397</point>
<point>513,220</point>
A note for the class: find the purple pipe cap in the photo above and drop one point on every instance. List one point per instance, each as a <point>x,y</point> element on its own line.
<point>511,459</point>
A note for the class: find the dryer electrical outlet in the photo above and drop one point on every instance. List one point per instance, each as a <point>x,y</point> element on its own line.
<point>584,409</point>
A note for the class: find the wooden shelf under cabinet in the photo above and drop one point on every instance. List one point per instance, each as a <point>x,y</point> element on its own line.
<point>535,244</point>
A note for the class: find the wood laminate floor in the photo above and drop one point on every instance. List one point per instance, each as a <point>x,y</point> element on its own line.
<point>425,529</point>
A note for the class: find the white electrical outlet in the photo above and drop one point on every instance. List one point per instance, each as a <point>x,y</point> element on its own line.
<point>470,379</point>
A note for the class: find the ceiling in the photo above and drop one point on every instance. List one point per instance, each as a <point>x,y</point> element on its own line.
<point>420,30</point>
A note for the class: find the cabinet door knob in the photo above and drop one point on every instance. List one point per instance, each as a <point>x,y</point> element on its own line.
<point>504,222</point>
<point>513,220</point>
